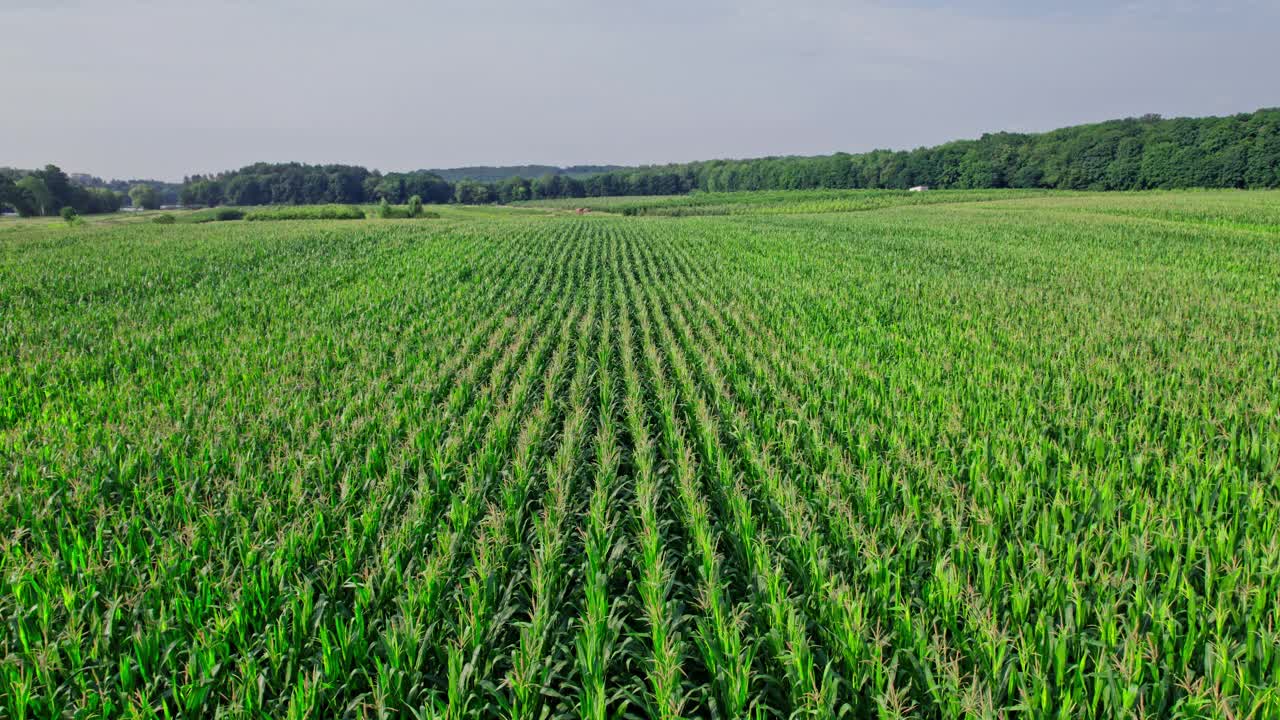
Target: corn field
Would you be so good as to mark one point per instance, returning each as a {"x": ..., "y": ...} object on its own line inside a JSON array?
[{"x": 1010, "y": 458}]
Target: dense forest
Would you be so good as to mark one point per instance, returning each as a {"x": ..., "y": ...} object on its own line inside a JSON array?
[{"x": 1239, "y": 151}]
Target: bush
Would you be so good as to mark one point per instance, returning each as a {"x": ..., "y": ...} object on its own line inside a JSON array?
[
  {"x": 387, "y": 211},
  {"x": 308, "y": 212},
  {"x": 70, "y": 215},
  {"x": 220, "y": 214},
  {"x": 415, "y": 206},
  {"x": 165, "y": 219}
]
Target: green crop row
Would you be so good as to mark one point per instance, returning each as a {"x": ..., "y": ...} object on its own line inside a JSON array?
[
  {"x": 782, "y": 202},
  {"x": 1009, "y": 458}
]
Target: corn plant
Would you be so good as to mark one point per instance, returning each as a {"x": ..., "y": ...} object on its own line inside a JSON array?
[{"x": 973, "y": 454}]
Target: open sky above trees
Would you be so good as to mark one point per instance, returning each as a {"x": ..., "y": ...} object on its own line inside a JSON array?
[{"x": 143, "y": 89}]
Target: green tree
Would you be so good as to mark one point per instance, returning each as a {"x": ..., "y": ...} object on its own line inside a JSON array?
[
  {"x": 513, "y": 189},
  {"x": 415, "y": 206},
  {"x": 61, "y": 191},
  {"x": 470, "y": 192},
  {"x": 202, "y": 192},
  {"x": 39, "y": 200},
  {"x": 8, "y": 192},
  {"x": 244, "y": 190},
  {"x": 102, "y": 200},
  {"x": 145, "y": 197}
]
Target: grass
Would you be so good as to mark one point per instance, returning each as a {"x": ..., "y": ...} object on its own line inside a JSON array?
[{"x": 1009, "y": 456}]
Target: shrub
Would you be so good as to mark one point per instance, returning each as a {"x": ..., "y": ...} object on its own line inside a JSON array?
[
  {"x": 165, "y": 219},
  {"x": 415, "y": 206},
  {"x": 307, "y": 212},
  {"x": 387, "y": 211},
  {"x": 220, "y": 214},
  {"x": 70, "y": 215}
]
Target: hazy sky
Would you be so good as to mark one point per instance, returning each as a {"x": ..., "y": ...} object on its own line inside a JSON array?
[{"x": 145, "y": 88}]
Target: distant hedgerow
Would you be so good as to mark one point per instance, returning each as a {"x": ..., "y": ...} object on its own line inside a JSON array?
[{"x": 307, "y": 212}]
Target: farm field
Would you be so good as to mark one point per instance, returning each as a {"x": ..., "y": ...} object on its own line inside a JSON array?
[
  {"x": 943, "y": 456},
  {"x": 781, "y": 202}
]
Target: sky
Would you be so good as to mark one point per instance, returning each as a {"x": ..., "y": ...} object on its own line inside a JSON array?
[{"x": 166, "y": 88}]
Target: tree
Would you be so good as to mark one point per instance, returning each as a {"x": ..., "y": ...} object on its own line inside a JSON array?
[
  {"x": 39, "y": 200},
  {"x": 59, "y": 188},
  {"x": 415, "y": 206},
  {"x": 384, "y": 209},
  {"x": 70, "y": 215},
  {"x": 243, "y": 190},
  {"x": 102, "y": 200},
  {"x": 470, "y": 192},
  {"x": 512, "y": 189},
  {"x": 8, "y": 192},
  {"x": 145, "y": 197},
  {"x": 202, "y": 192}
]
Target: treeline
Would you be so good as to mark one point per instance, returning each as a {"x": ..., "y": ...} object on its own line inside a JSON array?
[
  {"x": 492, "y": 174},
  {"x": 1240, "y": 151},
  {"x": 48, "y": 191},
  {"x": 299, "y": 184},
  {"x": 165, "y": 192}
]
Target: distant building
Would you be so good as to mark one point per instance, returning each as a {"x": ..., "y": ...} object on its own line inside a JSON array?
[{"x": 920, "y": 188}]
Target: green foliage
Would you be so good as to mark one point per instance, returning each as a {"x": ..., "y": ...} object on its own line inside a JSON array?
[
  {"x": 8, "y": 191},
  {"x": 782, "y": 202},
  {"x": 222, "y": 214},
  {"x": 498, "y": 175},
  {"x": 35, "y": 197},
  {"x": 200, "y": 192},
  {"x": 469, "y": 192},
  {"x": 164, "y": 219},
  {"x": 414, "y": 206},
  {"x": 1134, "y": 154},
  {"x": 297, "y": 184},
  {"x": 387, "y": 211},
  {"x": 1240, "y": 151},
  {"x": 396, "y": 188},
  {"x": 70, "y": 215},
  {"x": 46, "y": 192},
  {"x": 310, "y": 212},
  {"x": 100, "y": 200},
  {"x": 144, "y": 196},
  {"x": 1015, "y": 457}
]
